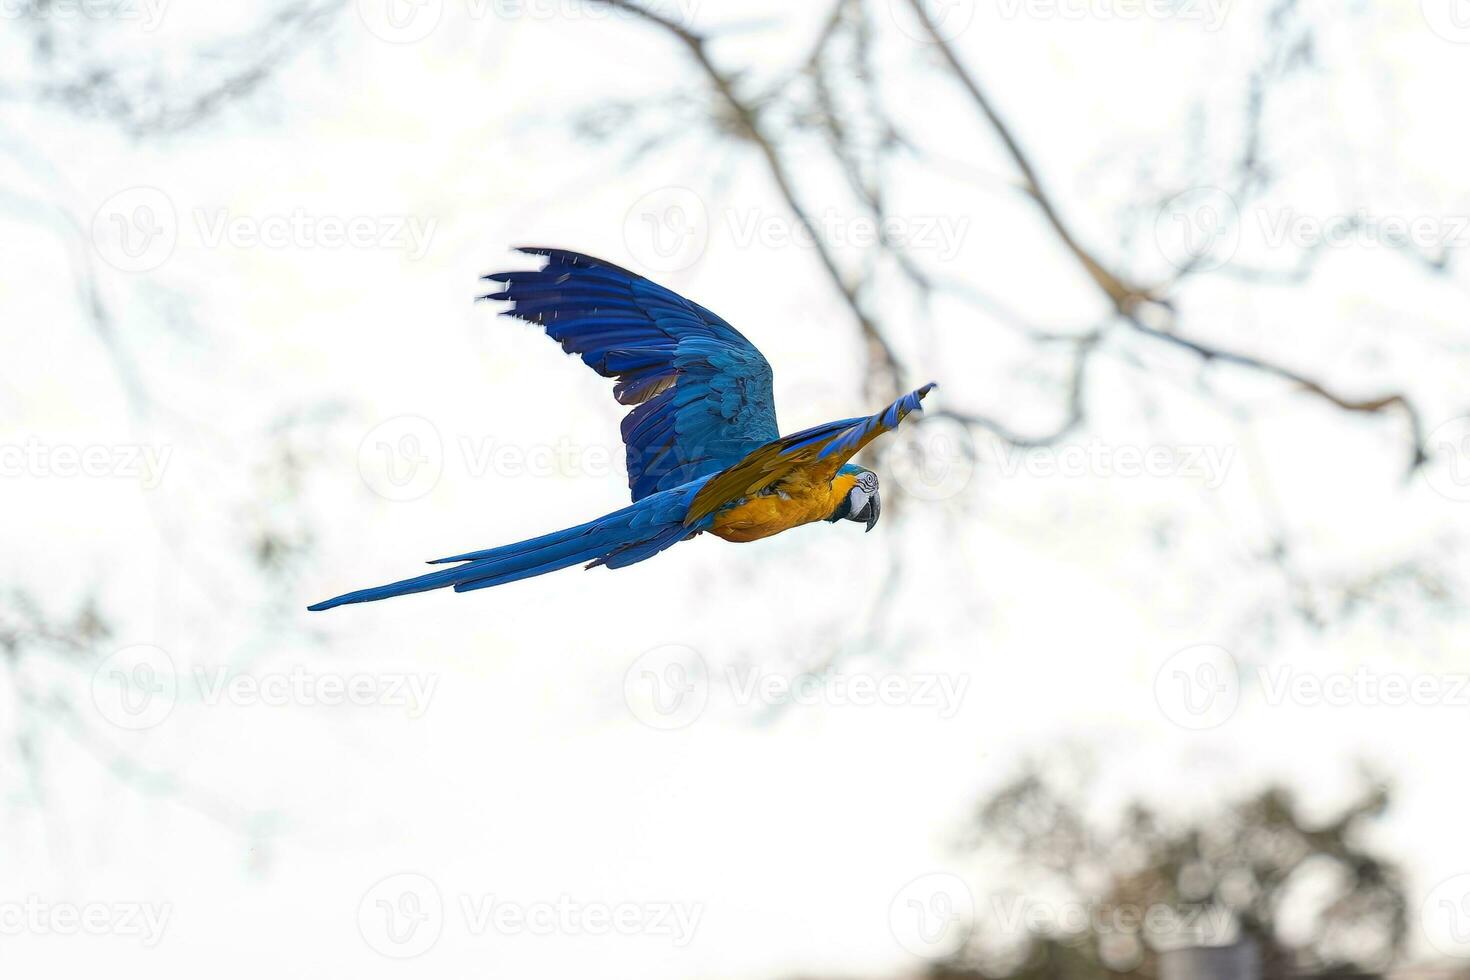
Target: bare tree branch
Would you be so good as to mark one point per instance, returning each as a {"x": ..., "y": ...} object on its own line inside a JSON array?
[
  {"x": 886, "y": 374},
  {"x": 1128, "y": 299}
]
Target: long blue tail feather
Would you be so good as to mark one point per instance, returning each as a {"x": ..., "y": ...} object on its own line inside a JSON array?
[{"x": 621, "y": 538}]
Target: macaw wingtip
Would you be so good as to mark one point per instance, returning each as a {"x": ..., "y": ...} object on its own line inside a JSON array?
[{"x": 542, "y": 250}]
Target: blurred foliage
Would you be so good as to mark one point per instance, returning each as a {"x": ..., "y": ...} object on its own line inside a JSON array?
[{"x": 1311, "y": 893}]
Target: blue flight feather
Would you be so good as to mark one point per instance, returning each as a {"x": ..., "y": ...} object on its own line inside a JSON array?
[{"x": 701, "y": 392}]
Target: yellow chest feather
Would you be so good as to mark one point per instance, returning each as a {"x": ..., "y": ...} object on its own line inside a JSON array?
[{"x": 795, "y": 504}]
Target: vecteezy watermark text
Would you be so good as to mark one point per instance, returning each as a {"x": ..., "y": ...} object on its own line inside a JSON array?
[
  {"x": 1203, "y": 228},
  {"x": 941, "y": 234},
  {"x": 1363, "y": 229},
  {"x": 147, "y": 14},
  {"x": 1201, "y": 687},
  {"x": 1209, "y": 13},
  {"x": 300, "y": 229},
  {"x": 670, "y": 686},
  {"x": 567, "y": 916},
  {"x": 403, "y": 915},
  {"x": 940, "y": 692},
  {"x": 34, "y": 458},
  {"x": 668, "y": 229},
  {"x": 402, "y": 458},
  {"x": 298, "y": 686},
  {"x": 137, "y": 688},
  {"x": 1284, "y": 684},
  {"x": 35, "y": 916},
  {"x": 411, "y": 21},
  {"x": 1208, "y": 464},
  {"x": 138, "y": 229},
  {"x": 1162, "y": 923}
]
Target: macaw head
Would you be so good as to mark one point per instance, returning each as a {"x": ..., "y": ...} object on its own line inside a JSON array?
[{"x": 859, "y": 488}]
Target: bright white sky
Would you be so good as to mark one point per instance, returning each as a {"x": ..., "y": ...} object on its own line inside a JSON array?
[{"x": 1043, "y": 598}]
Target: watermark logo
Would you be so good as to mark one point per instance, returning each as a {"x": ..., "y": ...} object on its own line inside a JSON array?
[
  {"x": 400, "y": 21},
  {"x": 147, "y": 14},
  {"x": 136, "y": 230},
  {"x": 404, "y": 458},
  {"x": 667, "y": 687},
  {"x": 1446, "y": 917},
  {"x": 1447, "y": 470},
  {"x": 401, "y": 916},
  {"x": 299, "y": 228},
  {"x": 567, "y": 916},
  {"x": 1210, "y": 465},
  {"x": 409, "y": 692},
  {"x": 410, "y": 21},
  {"x": 1210, "y": 14},
  {"x": 942, "y": 693},
  {"x": 404, "y": 915},
  {"x": 1450, "y": 19},
  {"x": 401, "y": 459},
  {"x": 565, "y": 459},
  {"x": 35, "y": 916},
  {"x": 931, "y": 461},
  {"x": 1202, "y": 229},
  {"x": 1364, "y": 687},
  {"x": 667, "y": 230},
  {"x": 939, "y": 234},
  {"x": 1164, "y": 925},
  {"x": 1289, "y": 228},
  {"x": 671, "y": 687},
  {"x": 1198, "y": 687},
  {"x": 128, "y": 461},
  {"x": 950, "y": 18},
  {"x": 933, "y": 915},
  {"x": 136, "y": 687},
  {"x": 1198, "y": 230}
]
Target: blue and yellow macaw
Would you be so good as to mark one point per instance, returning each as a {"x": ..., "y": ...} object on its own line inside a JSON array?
[{"x": 703, "y": 450}]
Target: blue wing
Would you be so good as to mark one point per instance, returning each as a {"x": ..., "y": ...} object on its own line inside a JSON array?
[{"x": 701, "y": 392}]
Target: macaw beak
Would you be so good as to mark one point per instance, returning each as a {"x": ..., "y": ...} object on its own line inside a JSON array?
[{"x": 869, "y": 514}]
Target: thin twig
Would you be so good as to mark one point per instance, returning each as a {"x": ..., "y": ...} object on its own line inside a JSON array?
[
  {"x": 1128, "y": 299},
  {"x": 882, "y": 361}
]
